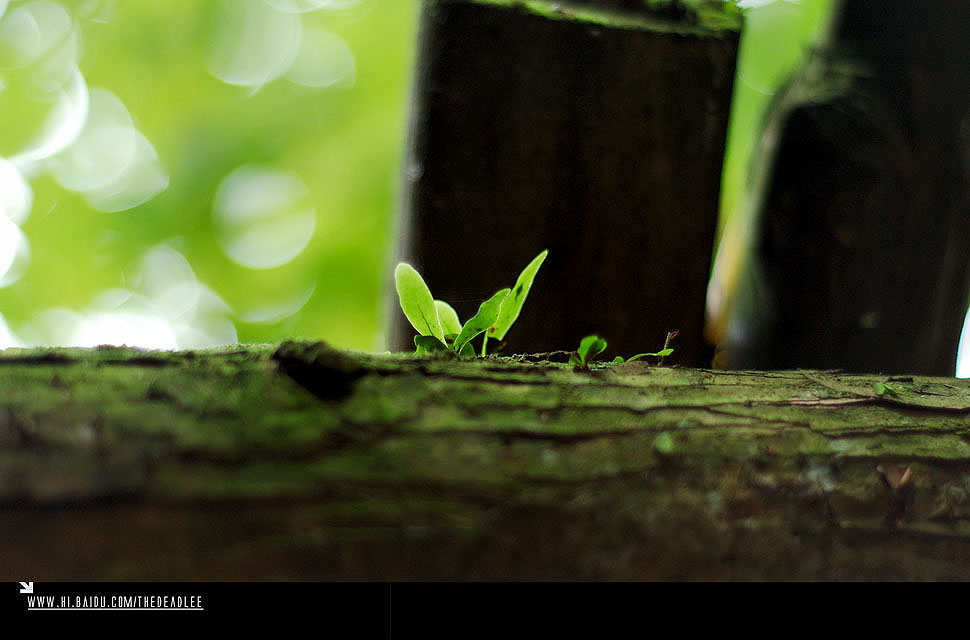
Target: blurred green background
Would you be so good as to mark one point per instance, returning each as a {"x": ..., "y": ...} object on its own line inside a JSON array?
[{"x": 188, "y": 173}]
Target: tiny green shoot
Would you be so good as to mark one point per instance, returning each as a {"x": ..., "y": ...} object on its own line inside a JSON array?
[
  {"x": 437, "y": 323},
  {"x": 883, "y": 388},
  {"x": 663, "y": 353},
  {"x": 589, "y": 348}
]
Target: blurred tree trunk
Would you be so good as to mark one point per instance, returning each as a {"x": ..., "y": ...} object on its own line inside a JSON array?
[
  {"x": 596, "y": 134},
  {"x": 862, "y": 255},
  {"x": 310, "y": 463}
]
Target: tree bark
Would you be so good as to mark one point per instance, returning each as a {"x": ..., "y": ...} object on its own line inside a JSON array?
[
  {"x": 308, "y": 463},
  {"x": 861, "y": 258},
  {"x": 596, "y": 135}
]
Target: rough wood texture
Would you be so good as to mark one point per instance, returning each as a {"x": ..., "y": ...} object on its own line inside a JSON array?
[
  {"x": 305, "y": 462},
  {"x": 597, "y": 136},
  {"x": 861, "y": 254}
]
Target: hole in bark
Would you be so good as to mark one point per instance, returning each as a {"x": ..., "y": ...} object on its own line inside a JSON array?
[{"x": 327, "y": 374}]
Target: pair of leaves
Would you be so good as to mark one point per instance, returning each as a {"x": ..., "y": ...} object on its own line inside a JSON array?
[{"x": 437, "y": 322}]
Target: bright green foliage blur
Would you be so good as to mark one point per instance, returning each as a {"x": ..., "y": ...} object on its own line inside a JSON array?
[
  {"x": 777, "y": 36},
  {"x": 345, "y": 143},
  {"x": 336, "y": 152}
]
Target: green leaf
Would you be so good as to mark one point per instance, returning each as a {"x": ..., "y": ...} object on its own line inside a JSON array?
[
  {"x": 618, "y": 360},
  {"x": 590, "y": 347},
  {"x": 468, "y": 351},
  {"x": 448, "y": 317},
  {"x": 512, "y": 305},
  {"x": 430, "y": 344},
  {"x": 416, "y": 301},
  {"x": 663, "y": 353},
  {"x": 575, "y": 361},
  {"x": 883, "y": 388},
  {"x": 482, "y": 320}
]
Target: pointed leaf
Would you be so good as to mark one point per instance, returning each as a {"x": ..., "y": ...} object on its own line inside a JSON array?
[
  {"x": 512, "y": 306},
  {"x": 482, "y": 320},
  {"x": 663, "y": 353},
  {"x": 416, "y": 301},
  {"x": 448, "y": 318},
  {"x": 430, "y": 344},
  {"x": 468, "y": 351}
]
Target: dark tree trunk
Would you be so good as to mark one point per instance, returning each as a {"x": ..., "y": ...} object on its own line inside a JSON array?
[
  {"x": 599, "y": 137},
  {"x": 862, "y": 256},
  {"x": 308, "y": 463}
]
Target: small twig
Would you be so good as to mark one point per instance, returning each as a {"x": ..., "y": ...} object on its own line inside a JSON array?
[{"x": 670, "y": 337}]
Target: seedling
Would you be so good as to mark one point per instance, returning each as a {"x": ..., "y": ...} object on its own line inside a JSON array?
[
  {"x": 437, "y": 322},
  {"x": 589, "y": 348},
  {"x": 884, "y": 388},
  {"x": 592, "y": 346},
  {"x": 663, "y": 353}
]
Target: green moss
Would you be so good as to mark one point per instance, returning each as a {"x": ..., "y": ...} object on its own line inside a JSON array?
[{"x": 175, "y": 464}]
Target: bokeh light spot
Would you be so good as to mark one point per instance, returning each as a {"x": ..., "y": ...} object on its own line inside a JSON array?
[
  {"x": 166, "y": 308},
  {"x": 298, "y": 6},
  {"x": 274, "y": 312},
  {"x": 344, "y": 5},
  {"x": 32, "y": 30},
  {"x": 61, "y": 126},
  {"x": 324, "y": 60},
  {"x": 138, "y": 182},
  {"x": 102, "y": 151},
  {"x": 14, "y": 252},
  {"x": 254, "y": 43},
  {"x": 263, "y": 216},
  {"x": 20, "y": 39},
  {"x": 7, "y": 337},
  {"x": 16, "y": 196}
]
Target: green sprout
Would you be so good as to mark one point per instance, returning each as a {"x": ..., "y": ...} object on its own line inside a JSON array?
[
  {"x": 437, "y": 323},
  {"x": 592, "y": 346},
  {"x": 589, "y": 348},
  {"x": 663, "y": 353},
  {"x": 884, "y": 388}
]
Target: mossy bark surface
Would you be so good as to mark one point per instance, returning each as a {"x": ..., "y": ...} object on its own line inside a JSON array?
[{"x": 303, "y": 462}]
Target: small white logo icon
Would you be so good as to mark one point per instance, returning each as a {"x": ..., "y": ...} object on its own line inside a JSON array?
[{"x": 26, "y": 587}]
